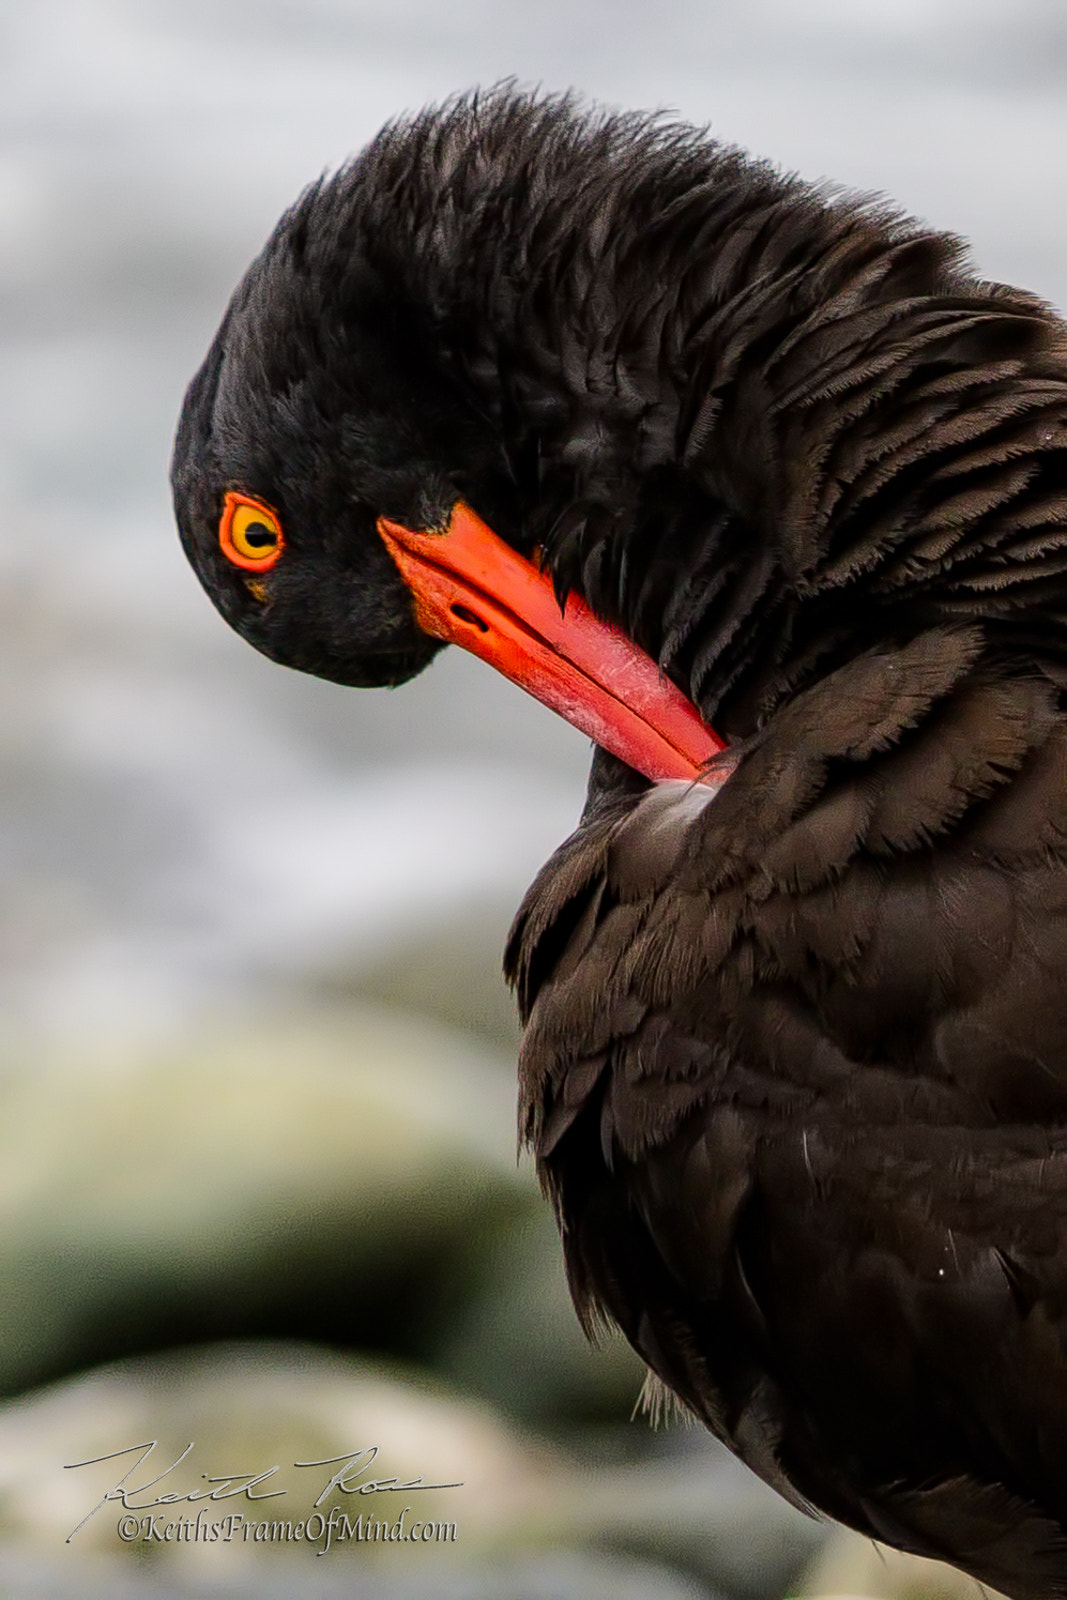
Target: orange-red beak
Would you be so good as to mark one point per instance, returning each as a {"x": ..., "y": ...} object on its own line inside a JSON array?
[{"x": 472, "y": 589}]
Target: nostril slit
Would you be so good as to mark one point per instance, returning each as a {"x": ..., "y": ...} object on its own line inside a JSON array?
[{"x": 466, "y": 615}]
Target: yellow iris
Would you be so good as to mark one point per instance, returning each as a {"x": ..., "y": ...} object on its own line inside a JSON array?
[{"x": 250, "y": 533}]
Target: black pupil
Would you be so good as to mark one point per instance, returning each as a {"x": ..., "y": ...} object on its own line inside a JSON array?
[{"x": 258, "y": 535}]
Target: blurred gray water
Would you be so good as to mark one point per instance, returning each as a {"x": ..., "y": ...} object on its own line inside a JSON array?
[{"x": 182, "y": 821}]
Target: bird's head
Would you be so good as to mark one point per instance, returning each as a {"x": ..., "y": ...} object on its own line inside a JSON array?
[
  {"x": 316, "y": 412},
  {"x": 324, "y": 472}
]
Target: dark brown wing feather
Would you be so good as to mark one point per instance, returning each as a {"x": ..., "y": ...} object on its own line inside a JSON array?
[{"x": 795, "y": 1072}]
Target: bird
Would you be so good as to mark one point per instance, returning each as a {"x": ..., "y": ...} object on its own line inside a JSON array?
[{"x": 759, "y": 484}]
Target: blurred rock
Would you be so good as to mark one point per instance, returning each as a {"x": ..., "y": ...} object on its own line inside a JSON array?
[
  {"x": 456, "y": 978},
  {"x": 854, "y": 1568},
  {"x": 517, "y": 1341},
  {"x": 345, "y": 1175},
  {"x": 249, "y": 1408},
  {"x": 564, "y": 1577},
  {"x": 699, "y": 1508},
  {"x": 531, "y": 1522},
  {"x": 319, "y": 1176}
]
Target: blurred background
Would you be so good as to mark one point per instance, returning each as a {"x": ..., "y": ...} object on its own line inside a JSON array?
[{"x": 258, "y": 1186}]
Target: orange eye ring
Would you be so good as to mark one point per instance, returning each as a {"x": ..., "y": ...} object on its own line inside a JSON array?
[{"x": 250, "y": 533}]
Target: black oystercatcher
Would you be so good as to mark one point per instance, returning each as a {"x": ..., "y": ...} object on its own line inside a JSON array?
[{"x": 795, "y": 1061}]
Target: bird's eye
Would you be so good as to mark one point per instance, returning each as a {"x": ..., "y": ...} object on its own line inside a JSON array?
[{"x": 250, "y": 533}]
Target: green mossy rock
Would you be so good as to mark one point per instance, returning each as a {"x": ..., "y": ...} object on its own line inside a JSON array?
[{"x": 315, "y": 1175}]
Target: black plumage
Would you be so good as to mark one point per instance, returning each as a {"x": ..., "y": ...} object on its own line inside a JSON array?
[{"x": 795, "y": 1059}]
